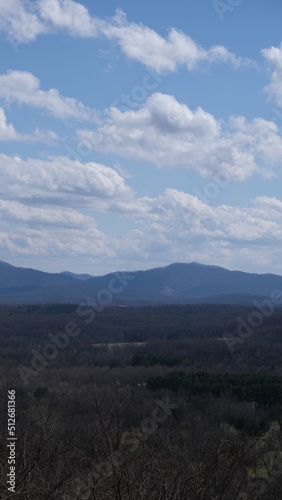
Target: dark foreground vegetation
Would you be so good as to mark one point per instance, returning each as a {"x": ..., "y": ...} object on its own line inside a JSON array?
[{"x": 142, "y": 403}]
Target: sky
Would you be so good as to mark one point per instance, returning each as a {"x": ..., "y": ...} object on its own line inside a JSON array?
[{"x": 138, "y": 134}]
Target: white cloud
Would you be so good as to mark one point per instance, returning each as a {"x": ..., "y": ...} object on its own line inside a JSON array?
[
  {"x": 161, "y": 54},
  {"x": 166, "y": 133},
  {"x": 60, "y": 180},
  {"x": 24, "y": 21},
  {"x": 274, "y": 89},
  {"x": 24, "y": 88},
  {"x": 8, "y": 133},
  {"x": 70, "y": 16},
  {"x": 47, "y": 207},
  {"x": 18, "y": 18}
]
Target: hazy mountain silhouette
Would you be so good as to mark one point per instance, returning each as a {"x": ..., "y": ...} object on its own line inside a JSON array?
[{"x": 176, "y": 283}]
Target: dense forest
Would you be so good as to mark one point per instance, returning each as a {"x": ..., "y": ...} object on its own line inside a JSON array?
[{"x": 164, "y": 403}]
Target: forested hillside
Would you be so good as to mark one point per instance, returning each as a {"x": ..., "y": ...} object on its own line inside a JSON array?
[{"x": 150, "y": 402}]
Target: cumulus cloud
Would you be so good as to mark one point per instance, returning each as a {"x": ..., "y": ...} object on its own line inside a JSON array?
[
  {"x": 25, "y": 20},
  {"x": 60, "y": 179},
  {"x": 143, "y": 44},
  {"x": 23, "y": 87},
  {"x": 166, "y": 133},
  {"x": 274, "y": 58}
]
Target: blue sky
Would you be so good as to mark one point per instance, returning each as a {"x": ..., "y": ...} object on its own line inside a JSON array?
[{"x": 137, "y": 134}]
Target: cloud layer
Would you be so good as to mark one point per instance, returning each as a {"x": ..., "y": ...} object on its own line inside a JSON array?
[
  {"x": 174, "y": 226},
  {"x": 24, "y": 21},
  {"x": 42, "y": 197}
]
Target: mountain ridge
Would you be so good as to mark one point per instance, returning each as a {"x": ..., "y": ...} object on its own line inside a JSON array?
[{"x": 174, "y": 283}]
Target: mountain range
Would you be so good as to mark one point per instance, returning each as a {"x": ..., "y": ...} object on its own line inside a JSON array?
[{"x": 175, "y": 283}]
